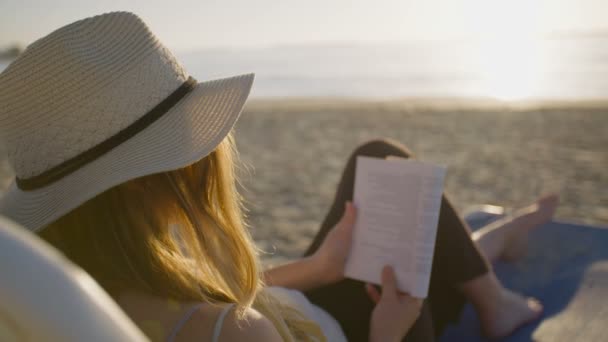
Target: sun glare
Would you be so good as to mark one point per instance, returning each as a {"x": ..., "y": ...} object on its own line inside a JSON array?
[
  {"x": 509, "y": 67},
  {"x": 509, "y": 53}
]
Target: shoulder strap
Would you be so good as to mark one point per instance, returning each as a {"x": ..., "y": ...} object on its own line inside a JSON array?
[
  {"x": 220, "y": 322},
  {"x": 183, "y": 321},
  {"x": 216, "y": 329}
]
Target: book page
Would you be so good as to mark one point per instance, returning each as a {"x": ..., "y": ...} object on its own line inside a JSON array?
[{"x": 398, "y": 204}]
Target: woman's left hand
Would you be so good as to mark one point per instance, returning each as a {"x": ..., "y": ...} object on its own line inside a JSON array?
[{"x": 330, "y": 258}]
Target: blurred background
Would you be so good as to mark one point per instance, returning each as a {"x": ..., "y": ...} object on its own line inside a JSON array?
[
  {"x": 388, "y": 48},
  {"x": 510, "y": 95}
]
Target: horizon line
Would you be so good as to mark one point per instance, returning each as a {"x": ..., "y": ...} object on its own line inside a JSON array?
[{"x": 556, "y": 34}]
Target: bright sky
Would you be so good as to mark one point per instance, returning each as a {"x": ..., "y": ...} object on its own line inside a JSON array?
[{"x": 191, "y": 24}]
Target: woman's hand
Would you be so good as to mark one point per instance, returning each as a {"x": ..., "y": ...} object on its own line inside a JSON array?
[
  {"x": 330, "y": 258},
  {"x": 395, "y": 313},
  {"x": 323, "y": 267}
]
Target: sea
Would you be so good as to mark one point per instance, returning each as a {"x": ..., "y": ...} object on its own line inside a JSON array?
[{"x": 566, "y": 67}]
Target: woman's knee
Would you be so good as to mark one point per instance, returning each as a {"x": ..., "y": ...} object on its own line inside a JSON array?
[{"x": 382, "y": 148}]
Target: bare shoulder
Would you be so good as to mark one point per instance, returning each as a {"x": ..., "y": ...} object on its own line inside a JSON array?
[{"x": 254, "y": 327}]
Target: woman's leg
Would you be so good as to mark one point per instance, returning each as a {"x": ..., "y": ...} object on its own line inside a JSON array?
[
  {"x": 456, "y": 260},
  {"x": 458, "y": 268},
  {"x": 500, "y": 310},
  {"x": 507, "y": 237}
]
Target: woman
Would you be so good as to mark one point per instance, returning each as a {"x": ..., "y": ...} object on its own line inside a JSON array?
[{"x": 125, "y": 164}]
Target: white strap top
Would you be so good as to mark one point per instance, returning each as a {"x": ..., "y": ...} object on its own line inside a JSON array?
[
  {"x": 330, "y": 327},
  {"x": 216, "y": 329}
]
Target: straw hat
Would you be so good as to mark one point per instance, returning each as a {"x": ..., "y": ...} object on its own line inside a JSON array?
[{"x": 97, "y": 103}]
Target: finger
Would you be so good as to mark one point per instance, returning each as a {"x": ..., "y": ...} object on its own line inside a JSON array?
[
  {"x": 411, "y": 301},
  {"x": 389, "y": 284},
  {"x": 372, "y": 292}
]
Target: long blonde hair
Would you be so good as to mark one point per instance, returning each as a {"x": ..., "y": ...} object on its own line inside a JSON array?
[{"x": 179, "y": 235}]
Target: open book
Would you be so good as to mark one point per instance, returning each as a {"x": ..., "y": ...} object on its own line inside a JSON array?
[{"x": 398, "y": 203}]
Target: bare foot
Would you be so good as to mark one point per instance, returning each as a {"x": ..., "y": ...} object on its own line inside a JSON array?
[
  {"x": 535, "y": 215},
  {"x": 510, "y": 312},
  {"x": 507, "y": 238}
]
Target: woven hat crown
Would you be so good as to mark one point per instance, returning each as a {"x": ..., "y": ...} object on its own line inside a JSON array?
[{"x": 80, "y": 85}]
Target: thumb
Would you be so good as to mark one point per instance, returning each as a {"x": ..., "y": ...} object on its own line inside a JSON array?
[
  {"x": 373, "y": 294},
  {"x": 348, "y": 218},
  {"x": 389, "y": 283}
]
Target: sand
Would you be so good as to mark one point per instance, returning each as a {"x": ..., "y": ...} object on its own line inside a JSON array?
[
  {"x": 504, "y": 155},
  {"x": 294, "y": 152}
]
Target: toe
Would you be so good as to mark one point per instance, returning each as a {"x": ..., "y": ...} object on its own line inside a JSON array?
[{"x": 535, "y": 306}]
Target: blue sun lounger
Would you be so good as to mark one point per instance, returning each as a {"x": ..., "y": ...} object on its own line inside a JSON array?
[{"x": 566, "y": 268}]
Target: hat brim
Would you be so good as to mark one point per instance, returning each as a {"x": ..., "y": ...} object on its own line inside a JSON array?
[{"x": 191, "y": 130}]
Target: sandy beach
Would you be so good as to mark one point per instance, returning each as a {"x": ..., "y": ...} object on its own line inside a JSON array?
[{"x": 294, "y": 151}]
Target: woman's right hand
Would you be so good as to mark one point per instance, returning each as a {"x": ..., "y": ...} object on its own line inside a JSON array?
[{"x": 395, "y": 313}]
